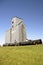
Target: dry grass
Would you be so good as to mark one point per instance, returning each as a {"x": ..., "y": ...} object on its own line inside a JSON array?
[{"x": 21, "y": 55}]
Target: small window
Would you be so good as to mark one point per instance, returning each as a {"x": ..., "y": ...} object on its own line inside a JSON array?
[{"x": 12, "y": 21}]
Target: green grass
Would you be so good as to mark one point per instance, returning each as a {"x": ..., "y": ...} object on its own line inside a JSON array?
[{"x": 21, "y": 55}]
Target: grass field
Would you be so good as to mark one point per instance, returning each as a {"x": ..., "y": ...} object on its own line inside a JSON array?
[{"x": 21, "y": 55}]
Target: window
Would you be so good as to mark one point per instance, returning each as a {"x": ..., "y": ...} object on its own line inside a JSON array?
[{"x": 12, "y": 22}]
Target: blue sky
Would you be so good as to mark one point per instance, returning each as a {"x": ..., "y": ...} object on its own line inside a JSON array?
[{"x": 30, "y": 10}]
